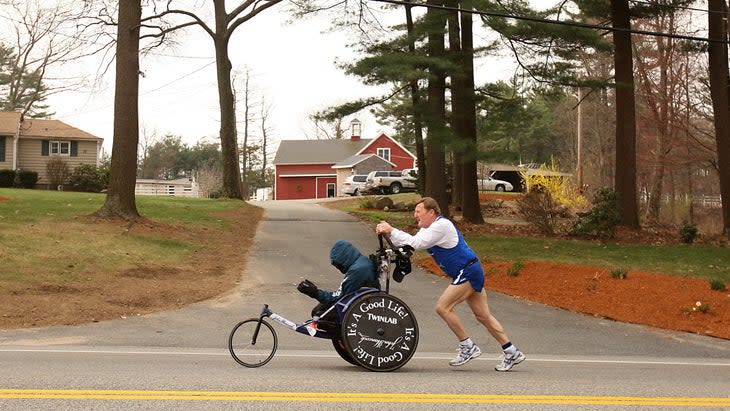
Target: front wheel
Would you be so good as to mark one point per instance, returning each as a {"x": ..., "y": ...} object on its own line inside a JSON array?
[
  {"x": 395, "y": 188},
  {"x": 252, "y": 342}
]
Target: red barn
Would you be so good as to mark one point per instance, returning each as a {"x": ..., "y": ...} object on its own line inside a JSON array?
[{"x": 317, "y": 168}]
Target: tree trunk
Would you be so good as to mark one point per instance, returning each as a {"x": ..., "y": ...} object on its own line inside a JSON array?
[
  {"x": 229, "y": 139},
  {"x": 120, "y": 199},
  {"x": 471, "y": 208},
  {"x": 718, "y": 67},
  {"x": 417, "y": 110},
  {"x": 435, "y": 118},
  {"x": 244, "y": 146},
  {"x": 465, "y": 189},
  {"x": 458, "y": 103},
  {"x": 625, "y": 171}
]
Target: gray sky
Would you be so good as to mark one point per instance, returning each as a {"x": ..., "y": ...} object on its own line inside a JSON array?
[
  {"x": 292, "y": 65},
  {"x": 293, "y": 68}
]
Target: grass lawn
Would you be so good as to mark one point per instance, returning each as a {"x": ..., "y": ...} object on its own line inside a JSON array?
[{"x": 49, "y": 236}]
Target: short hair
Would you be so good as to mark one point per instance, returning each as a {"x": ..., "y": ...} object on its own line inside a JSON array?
[{"x": 430, "y": 204}]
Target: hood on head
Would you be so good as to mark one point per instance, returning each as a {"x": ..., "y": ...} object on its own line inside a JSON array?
[{"x": 343, "y": 255}]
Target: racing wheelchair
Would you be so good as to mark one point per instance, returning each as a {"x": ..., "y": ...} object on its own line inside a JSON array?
[{"x": 369, "y": 328}]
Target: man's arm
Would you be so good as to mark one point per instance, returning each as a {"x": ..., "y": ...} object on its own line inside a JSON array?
[{"x": 440, "y": 233}]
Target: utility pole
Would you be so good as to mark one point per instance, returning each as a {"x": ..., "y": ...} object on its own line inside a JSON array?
[{"x": 579, "y": 132}]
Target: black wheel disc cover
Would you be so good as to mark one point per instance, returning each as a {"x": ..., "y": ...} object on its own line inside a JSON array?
[{"x": 380, "y": 332}]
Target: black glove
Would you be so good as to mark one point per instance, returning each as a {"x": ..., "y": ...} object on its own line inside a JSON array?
[
  {"x": 402, "y": 267},
  {"x": 402, "y": 263},
  {"x": 307, "y": 287}
]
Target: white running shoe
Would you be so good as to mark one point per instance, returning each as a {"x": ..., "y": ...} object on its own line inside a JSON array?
[
  {"x": 510, "y": 361},
  {"x": 465, "y": 354}
]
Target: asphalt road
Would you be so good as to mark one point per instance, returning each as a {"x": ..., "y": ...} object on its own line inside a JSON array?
[{"x": 179, "y": 359}]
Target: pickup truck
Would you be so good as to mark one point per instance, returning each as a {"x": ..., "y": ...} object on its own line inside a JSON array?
[{"x": 390, "y": 182}]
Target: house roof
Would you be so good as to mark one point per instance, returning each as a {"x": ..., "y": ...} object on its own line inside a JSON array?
[
  {"x": 352, "y": 161},
  {"x": 317, "y": 151},
  {"x": 36, "y": 128},
  {"x": 9, "y": 122}
]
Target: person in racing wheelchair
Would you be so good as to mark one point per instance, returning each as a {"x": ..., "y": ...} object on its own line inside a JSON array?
[{"x": 359, "y": 272}]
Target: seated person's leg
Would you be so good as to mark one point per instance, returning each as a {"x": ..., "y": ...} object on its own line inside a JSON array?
[{"x": 319, "y": 309}]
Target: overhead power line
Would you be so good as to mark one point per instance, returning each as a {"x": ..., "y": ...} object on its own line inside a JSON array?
[{"x": 556, "y": 22}]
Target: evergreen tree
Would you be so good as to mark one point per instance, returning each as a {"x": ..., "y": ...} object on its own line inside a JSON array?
[{"x": 21, "y": 89}]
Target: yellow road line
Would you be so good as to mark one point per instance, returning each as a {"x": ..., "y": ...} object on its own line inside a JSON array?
[{"x": 360, "y": 397}]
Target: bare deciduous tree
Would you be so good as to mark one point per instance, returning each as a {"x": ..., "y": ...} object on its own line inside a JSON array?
[
  {"x": 220, "y": 31},
  {"x": 322, "y": 129},
  {"x": 45, "y": 35},
  {"x": 209, "y": 178},
  {"x": 246, "y": 99}
]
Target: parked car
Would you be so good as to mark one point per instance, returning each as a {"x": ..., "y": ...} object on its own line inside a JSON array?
[
  {"x": 353, "y": 184},
  {"x": 390, "y": 182},
  {"x": 492, "y": 184}
]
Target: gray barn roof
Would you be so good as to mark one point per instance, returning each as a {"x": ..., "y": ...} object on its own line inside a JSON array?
[
  {"x": 352, "y": 161},
  {"x": 317, "y": 151}
]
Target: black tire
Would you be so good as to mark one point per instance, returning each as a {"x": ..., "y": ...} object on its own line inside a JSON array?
[
  {"x": 252, "y": 354},
  {"x": 395, "y": 188},
  {"x": 499, "y": 188},
  {"x": 342, "y": 350},
  {"x": 380, "y": 332}
]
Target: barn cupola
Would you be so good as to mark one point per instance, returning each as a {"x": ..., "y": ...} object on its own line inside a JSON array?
[{"x": 355, "y": 130}]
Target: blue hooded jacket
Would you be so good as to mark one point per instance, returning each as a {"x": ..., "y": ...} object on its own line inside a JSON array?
[{"x": 359, "y": 271}]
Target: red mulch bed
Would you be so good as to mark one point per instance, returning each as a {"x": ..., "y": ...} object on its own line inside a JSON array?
[{"x": 657, "y": 300}]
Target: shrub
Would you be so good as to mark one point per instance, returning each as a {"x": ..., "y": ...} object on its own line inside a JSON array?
[
  {"x": 27, "y": 179},
  {"x": 717, "y": 284},
  {"x": 687, "y": 232},
  {"x": 514, "y": 271},
  {"x": 57, "y": 171},
  {"x": 88, "y": 177},
  {"x": 699, "y": 306},
  {"x": 7, "y": 178},
  {"x": 603, "y": 217},
  {"x": 215, "y": 194},
  {"x": 539, "y": 208},
  {"x": 619, "y": 273},
  {"x": 552, "y": 181}
]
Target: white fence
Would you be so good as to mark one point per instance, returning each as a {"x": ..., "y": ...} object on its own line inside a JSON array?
[
  {"x": 708, "y": 201},
  {"x": 177, "y": 188}
]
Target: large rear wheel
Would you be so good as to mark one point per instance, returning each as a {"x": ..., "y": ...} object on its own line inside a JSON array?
[
  {"x": 342, "y": 350},
  {"x": 380, "y": 332}
]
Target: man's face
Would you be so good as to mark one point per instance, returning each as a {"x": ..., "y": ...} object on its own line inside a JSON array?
[{"x": 424, "y": 217}]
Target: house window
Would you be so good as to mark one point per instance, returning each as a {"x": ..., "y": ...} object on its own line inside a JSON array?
[
  {"x": 60, "y": 148},
  {"x": 384, "y": 153}
]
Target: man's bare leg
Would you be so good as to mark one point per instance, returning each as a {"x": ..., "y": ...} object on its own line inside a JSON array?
[
  {"x": 451, "y": 297},
  {"x": 480, "y": 307}
]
